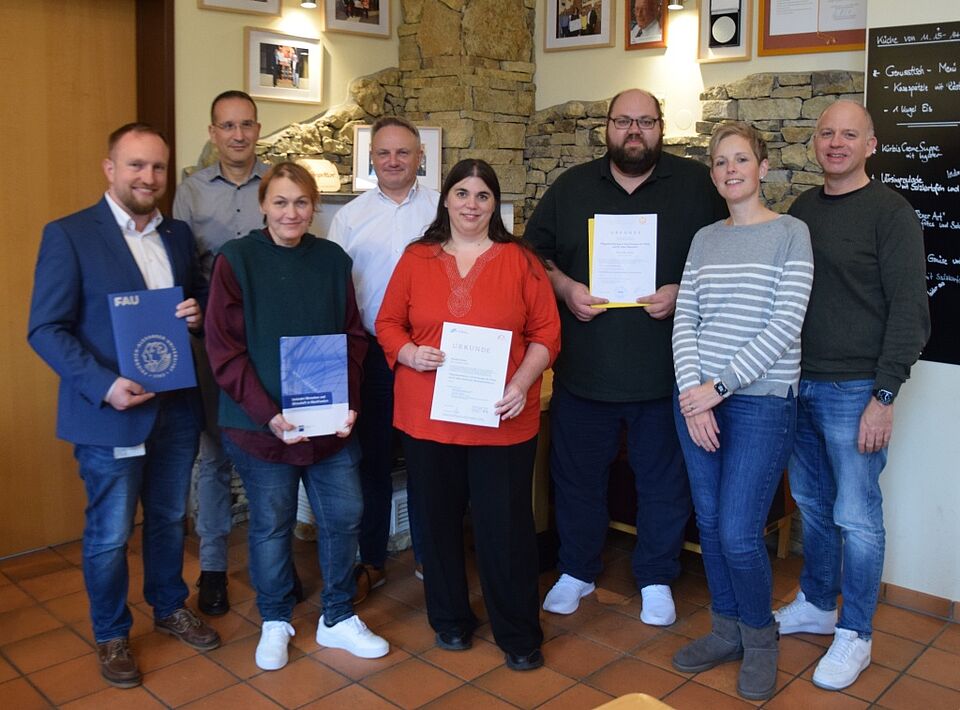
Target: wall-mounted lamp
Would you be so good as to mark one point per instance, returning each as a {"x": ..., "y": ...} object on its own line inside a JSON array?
[
  {"x": 675, "y": 5},
  {"x": 309, "y": 4}
]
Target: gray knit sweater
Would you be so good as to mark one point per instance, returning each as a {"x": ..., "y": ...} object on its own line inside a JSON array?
[
  {"x": 868, "y": 315},
  {"x": 741, "y": 305}
]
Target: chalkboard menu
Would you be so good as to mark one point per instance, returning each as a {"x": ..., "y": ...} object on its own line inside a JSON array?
[{"x": 913, "y": 93}]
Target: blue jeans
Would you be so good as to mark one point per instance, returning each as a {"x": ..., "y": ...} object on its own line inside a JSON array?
[
  {"x": 333, "y": 486},
  {"x": 214, "y": 503},
  {"x": 377, "y": 439},
  {"x": 584, "y": 441},
  {"x": 161, "y": 481},
  {"x": 838, "y": 492},
  {"x": 732, "y": 490}
]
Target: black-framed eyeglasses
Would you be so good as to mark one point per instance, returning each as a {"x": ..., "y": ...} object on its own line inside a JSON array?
[
  {"x": 624, "y": 122},
  {"x": 230, "y": 126}
]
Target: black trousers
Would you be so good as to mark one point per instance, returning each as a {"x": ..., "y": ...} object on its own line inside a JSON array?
[
  {"x": 376, "y": 433},
  {"x": 496, "y": 482}
]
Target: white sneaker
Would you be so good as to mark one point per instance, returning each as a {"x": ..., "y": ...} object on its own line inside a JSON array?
[
  {"x": 846, "y": 659},
  {"x": 800, "y": 616},
  {"x": 566, "y": 594},
  {"x": 272, "y": 650},
  {"x": 353, "y": 636},
  {"x": 658, "y": 607}
]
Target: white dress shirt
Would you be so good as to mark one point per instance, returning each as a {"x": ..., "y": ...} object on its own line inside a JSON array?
[
  {"x": 146, "y": 246},
  {"x": 651, "y": 33},
  {"x": 374, "y": 230}
]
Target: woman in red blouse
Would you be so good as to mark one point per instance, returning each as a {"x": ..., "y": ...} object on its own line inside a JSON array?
[{"x": 468, "y": 269}]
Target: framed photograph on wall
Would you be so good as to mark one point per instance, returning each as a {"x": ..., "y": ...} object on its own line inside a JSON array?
[
  {"x": 645, "y": 24},
  {"x": 364, "y": 177},
  {"x": 358, "y": 17},
  {"x": 253, "y": 7},
  {"x": 577, "y": 24},
  {"x": 802, "y": 26},
  {"x": 281, "y": 67},
  {"x": 724, "y": 31}
]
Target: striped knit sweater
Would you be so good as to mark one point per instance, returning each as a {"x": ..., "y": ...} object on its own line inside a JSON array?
[{"x": 741, "y": 306}]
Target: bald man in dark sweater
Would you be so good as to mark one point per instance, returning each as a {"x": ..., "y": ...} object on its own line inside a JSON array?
[{"x": 866, "y": 323}]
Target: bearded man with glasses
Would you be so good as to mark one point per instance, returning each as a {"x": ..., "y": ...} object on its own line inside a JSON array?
[{"x": 615, "y": 369}]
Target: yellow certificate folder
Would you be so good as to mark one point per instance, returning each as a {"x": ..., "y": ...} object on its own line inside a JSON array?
[{"x": 628, "y": 304}]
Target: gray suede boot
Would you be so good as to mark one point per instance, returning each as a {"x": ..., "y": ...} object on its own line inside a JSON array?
[
  {"x": 758, "y": 672},
  {"x": 720, "y": 646}
]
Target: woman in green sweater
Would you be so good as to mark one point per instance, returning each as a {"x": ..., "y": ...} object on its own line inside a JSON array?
[{"x": 281, "y": 281}]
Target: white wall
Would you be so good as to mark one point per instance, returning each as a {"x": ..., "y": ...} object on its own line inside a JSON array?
[
  {"x": 209, "y": 59},
  {"x": 921, "y": 484},
  {"x": 673, "y": 74}
]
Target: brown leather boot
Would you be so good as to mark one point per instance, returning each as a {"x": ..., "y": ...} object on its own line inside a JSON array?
[
  {"x": 117, "y": 665},
  {"x": 184, "y": 624}
]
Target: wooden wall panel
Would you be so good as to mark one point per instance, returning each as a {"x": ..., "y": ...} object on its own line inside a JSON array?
[{"x": 69, "y": 72}]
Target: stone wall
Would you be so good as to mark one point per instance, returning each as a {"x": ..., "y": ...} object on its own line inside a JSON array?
[
  {"x": 330, "y": 135},
  {"x": 464, "y": 65},
  {"x": 783, "y": 107},
  {"x": 560, "y": 137}
]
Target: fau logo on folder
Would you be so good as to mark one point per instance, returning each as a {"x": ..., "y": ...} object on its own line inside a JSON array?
[
  {"x": 153, "y": 345},
  {"x": 313, "y": 384}
]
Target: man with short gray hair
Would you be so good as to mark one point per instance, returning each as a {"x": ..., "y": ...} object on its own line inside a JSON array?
[{"x": 375, "y": 229}]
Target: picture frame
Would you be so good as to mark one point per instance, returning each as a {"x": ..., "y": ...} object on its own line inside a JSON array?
[
  {"x": 370, "y": 18},
  {"x": 364, "y": 178},
  {"x": 804, "y": 26},
  {"x": 281, "y": 67},
  {"x": 271, "y": 8},
  {"x": 594, "y": 27},
  {"x": 725, "y": 31},
  {"x": 645, "y": 24}
]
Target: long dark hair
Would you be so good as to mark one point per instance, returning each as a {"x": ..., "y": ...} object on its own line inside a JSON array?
[{"x": 438, "y": 232}]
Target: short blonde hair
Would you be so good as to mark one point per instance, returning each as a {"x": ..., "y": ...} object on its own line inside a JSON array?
[{"x": 745, "y": 131}]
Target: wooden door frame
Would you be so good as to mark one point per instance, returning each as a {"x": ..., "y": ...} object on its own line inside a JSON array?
[{"x": 156, "y": 81}]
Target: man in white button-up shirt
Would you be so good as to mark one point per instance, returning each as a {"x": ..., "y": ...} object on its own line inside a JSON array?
[
  {"x": 131, "y": 445},
  {"x": 374, "y": 229}
]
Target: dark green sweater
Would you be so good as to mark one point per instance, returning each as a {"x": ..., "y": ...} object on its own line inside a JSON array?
[
  {"x": 868, "y": 316},
  {"x": 286, "y": 292}
]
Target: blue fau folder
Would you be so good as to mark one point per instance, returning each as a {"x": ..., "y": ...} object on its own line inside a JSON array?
[
  {"x": 153, "y": 345},
  {"x": 313, "y": 384}
]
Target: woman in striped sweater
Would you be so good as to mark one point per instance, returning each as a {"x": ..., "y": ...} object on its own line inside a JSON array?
[{"x": 736, "y": 349}]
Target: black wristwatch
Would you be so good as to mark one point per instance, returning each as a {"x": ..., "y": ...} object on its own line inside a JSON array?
[
  {"x": 884, "y": 397},
  {"x": 721, "y": 389}
]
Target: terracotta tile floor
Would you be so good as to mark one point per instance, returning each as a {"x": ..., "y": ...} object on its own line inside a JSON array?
[{"x": 47, "y": 657}]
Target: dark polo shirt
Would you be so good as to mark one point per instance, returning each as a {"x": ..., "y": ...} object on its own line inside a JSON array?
[{"x": 622, "y": 355}]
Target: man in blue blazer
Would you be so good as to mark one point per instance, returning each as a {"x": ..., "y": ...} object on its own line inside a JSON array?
[{"x": 130, "y": 444}]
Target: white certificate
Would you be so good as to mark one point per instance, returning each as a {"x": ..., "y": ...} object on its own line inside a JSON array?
[
  {"x": 473, "y": 374},
  {"x": 623, "y": 257},
  {"x": 788, "y": 17},
  {"x": 793, "y": 16}
]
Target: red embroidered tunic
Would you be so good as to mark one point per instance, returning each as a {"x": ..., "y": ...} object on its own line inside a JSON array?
[{"x": 506, "y": 288}]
